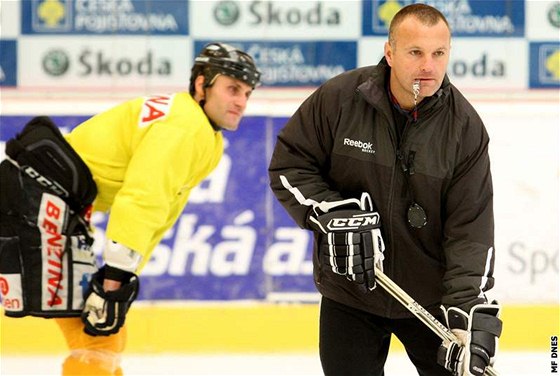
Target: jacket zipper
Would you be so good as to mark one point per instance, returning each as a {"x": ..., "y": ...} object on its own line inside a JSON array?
[{"x": 399, "y": 156}]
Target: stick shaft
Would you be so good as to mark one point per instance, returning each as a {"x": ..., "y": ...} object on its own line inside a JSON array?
[{"x": 420, "y": 312}]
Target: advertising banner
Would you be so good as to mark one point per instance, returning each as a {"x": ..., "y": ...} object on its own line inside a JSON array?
[
  {"x": 104, "y": 62},
  {"x": 543, "y": 20},
  {"x": 525, "y": 198},
  {"x": 149, "y": 44},
  {"x": 122, "y": 17},
  {"x": 544, "y": 65},
  {"x": 488, "y": 65},
  {"x": 297, "y": 63},
  {"x": 467, "y": 18},
  {"x": 8, "y": 63},
  {"x": 276, "y": 20}
]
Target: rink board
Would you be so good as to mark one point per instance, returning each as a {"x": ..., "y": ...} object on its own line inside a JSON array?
[{"x": 247, "y": 327}]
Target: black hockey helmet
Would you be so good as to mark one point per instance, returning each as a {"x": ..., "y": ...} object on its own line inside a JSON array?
[{"x": 221, "y": 58}]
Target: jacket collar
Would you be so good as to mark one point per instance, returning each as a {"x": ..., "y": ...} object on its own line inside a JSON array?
[{"x": 374, "y": 90}]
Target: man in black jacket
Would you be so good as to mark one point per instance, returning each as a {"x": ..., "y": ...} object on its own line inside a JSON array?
[{"x": 389, "y": 166}]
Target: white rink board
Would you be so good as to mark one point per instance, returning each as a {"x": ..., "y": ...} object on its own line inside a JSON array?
[{"x": 524, "y": 148}]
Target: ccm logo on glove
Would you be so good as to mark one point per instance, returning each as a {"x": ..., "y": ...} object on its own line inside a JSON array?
[
  {"x": 350, "y": 243},
  {"x": 354, "y": 222}
]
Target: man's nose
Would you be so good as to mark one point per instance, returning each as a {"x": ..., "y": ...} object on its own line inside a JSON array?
[
  {"x": 241, "y": 101},
  {"x": 427, "y": 64}
]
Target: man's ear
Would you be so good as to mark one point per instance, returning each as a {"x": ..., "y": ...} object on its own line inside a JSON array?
[
  {"x": 388, "y": 52},
  {"x": 199, "y": 87}
]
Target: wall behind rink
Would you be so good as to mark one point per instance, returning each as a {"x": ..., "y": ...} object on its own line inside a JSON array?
[{"x": 146, "y": 44}]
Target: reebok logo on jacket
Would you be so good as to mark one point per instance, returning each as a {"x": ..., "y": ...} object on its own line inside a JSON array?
[{"x": 367, "y": 147}]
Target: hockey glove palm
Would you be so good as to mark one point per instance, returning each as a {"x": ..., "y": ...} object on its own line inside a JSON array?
[
  {"x": 104, "y": 311},
  {"x": 351, "y": 242},
  {"x": 478, "y": 335}
]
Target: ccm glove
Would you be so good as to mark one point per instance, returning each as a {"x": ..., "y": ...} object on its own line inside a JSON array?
[
  {"x": 351, "y": 242},
  {"x": 477, "y": 335},
  {"x": 104, "y": 311}
]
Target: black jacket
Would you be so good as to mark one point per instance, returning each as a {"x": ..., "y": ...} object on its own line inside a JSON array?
[{"x": 342, "y": 141}]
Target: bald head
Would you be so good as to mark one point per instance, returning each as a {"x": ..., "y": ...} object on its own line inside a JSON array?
[{"x": 425, "y": 14}]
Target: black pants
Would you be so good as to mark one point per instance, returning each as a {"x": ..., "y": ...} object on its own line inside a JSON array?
[{"x": 354, "y": 342}]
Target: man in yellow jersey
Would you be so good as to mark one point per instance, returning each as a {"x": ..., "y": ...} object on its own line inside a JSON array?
[{"x": 145, "y": 156}]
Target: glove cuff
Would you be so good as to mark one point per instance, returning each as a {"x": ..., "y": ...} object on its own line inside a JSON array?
[
  {"x": 126, "y": 293},
  {"x": 325, "y": 207},
  {"x": 120, "y": 256},
  {"x": 486, "y": 317},
  {"x": 116, "y": 274}
]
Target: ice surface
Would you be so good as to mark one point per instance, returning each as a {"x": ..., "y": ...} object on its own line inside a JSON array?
[{"x": 508, "y": 364}]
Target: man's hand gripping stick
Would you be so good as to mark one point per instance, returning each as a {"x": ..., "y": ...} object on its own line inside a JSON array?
[{"x": 420, "y": 312}]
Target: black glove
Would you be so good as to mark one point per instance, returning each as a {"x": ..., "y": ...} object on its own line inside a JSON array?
[
  {"x": 477, "y": 336},
  {"x": 104, "y": 311},
  {"x": 351, "y": 242}
]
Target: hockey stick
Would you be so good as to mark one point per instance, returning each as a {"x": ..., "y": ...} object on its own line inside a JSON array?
[{"x": 420, "y": 312}]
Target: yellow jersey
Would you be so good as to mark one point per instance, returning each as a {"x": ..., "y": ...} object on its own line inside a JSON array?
[{"x": 145, "y": 156}]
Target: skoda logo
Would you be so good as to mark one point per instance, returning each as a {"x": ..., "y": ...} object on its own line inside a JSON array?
[
  {"x": 554, "y": 15},
  {"x": 56, "y": 62},
  {"x": 226, "y": 12}
]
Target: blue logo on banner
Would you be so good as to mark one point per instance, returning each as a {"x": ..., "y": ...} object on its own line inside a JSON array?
[
  {"x": 8, "y": 63},
  {"x": 125, "y": 17},
  {"x": 298, "y": 63},
  {"x": 467, "y": 18},
  {"x": 544, "y": 65}
]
